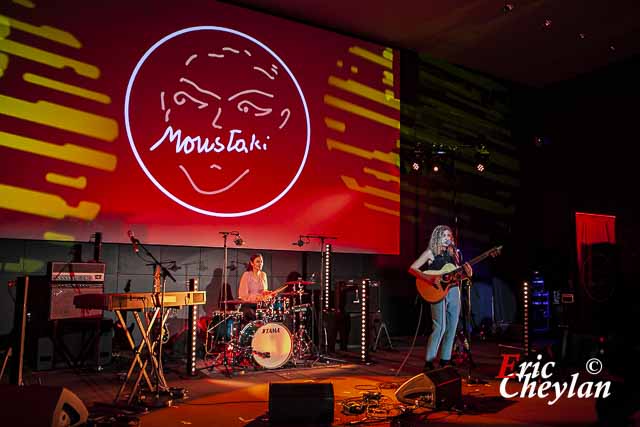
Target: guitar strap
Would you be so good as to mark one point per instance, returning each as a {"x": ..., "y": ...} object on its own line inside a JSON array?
[{"x": 457, "y": 257}]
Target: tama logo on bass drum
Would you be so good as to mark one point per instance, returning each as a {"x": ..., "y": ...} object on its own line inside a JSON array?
[{"x": 271, "y": 331}]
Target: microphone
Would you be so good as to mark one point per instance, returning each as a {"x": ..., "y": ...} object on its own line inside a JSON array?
[
  {"x": 239, "y": 241},
  {"x": 134, "y": 241},
  {"x": 298, "y": 243}
]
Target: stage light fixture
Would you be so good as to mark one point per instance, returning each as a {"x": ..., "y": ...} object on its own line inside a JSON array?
[
  {"x": 481, "y": 158},
  {"x": 326, "y": 279},
  {"x": 192, "y": 340},
  {"x": 525, "y": 321},
  {"x": 364, "y": 321},
  {"x": 440, "y": 156}
]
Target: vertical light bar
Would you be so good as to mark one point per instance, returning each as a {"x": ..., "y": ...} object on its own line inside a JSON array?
[
  {"x": 326, "y": 276},
  {"x": 193, "y": 331},
  {"x": 526, "y": 344},
  {"x": 364, "y": 321}
]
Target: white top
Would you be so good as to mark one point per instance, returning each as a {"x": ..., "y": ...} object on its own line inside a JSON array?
[{"x": 252, "y": 285}]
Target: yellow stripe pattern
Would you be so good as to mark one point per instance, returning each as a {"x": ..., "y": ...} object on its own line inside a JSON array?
[
  {"x": 52, "y": 235},
  {"x": 60, "y": 117},
  {"x": 365, "y": 91},
  {"x": 79, "y": 182},
  {"x": 361, "y": 111},
  {"x": 67, "y": 88},
  {"x": 391, "y": 158},
  {"x": 44, "y": 204},
  {"x": 44, "y": 31},
  {"x": 67, "y": 152},
  {"x": 48, "y": 58}
]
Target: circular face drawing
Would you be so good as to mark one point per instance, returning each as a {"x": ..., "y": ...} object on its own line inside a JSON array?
[{"x": 217, "y": 121}]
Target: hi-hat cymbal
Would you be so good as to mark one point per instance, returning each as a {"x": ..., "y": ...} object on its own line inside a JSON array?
[{"x": 300, "y": 282}]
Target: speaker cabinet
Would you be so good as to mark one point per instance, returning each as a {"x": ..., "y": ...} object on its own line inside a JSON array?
[
  {"x": 301, "y": 404},
  {"x": 437, "y": 389},
  {"x": 36, "y": 405},
  {"x": 77, "y": 342},
  {"x": 347, "y": 296},
  {"x": 354, "y": 331}
]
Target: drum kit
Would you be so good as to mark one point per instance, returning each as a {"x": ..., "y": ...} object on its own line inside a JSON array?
[{"x": 277, "y": 332}]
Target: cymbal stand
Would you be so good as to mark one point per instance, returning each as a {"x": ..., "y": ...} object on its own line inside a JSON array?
[{"x": 159, "y": 377}]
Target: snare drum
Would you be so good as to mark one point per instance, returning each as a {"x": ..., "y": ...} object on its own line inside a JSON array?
[{"x": 271, "y": 343}]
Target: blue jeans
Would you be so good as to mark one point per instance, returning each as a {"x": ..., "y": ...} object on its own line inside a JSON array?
[{"x": 444, "y": 315}]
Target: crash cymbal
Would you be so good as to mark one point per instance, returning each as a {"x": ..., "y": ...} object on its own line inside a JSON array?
[{"x": 300, "y": 282}]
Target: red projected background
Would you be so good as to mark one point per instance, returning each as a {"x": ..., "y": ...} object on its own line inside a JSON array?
[{"x": 194, "y": 119}]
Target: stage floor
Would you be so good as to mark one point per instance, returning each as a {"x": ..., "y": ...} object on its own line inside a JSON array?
[{"x": 216, "y": 400}]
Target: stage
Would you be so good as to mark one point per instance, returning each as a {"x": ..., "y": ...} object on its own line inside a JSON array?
[{"x": 243, "y": 399}]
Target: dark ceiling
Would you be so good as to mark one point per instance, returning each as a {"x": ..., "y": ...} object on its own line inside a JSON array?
[{"x": 534, "y": 42}]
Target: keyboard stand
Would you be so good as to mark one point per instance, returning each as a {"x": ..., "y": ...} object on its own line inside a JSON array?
[{"x": 141, "y": 358}]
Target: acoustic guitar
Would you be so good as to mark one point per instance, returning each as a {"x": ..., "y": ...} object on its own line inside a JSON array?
[{"x": 433, "y": 285}]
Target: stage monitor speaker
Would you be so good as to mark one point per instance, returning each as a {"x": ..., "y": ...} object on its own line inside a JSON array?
[
  {"x": 437, "y": 389},
  {"x": 301, "y": 403},
  {"x": 36, "y": 405}
]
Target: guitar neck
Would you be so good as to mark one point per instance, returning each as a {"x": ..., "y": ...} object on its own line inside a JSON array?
[{"x": 484, "y": 255}]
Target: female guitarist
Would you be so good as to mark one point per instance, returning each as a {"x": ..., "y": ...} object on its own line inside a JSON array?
[{"x": 444, "y": 313}]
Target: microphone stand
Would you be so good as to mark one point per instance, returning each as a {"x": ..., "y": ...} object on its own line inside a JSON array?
[
  {"x": 225, "y": 360},
  {"x": 322, "y": 329},
  {"x": 466, "y": 316},
  {"x": 159, "y": 374}
]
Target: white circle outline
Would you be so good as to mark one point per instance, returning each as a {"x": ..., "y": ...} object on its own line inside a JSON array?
[
  {"x": 591, "y": 370},
  {"x": 137, "y": 155}
]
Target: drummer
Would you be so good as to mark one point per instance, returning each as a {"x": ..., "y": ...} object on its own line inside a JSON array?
[{"x": 253, "y": 286}]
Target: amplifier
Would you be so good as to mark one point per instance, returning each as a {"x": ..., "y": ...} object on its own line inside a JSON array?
[
  {"x": 61, "y": 301},
  {"x": 54, "y": 300},
  {"x": 348, "y": 298},
  {"x": 76, "y": 272}
]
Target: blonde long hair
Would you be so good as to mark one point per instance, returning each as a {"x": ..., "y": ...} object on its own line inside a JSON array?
[{"x": 436, "y": 238}]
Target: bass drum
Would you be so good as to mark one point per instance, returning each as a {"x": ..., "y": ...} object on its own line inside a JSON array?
[{"x": 271, "y": 343}]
